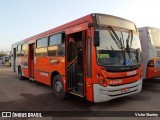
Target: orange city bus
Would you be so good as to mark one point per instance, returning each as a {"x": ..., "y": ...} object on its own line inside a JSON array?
[
  {"x": 150, "y": 44},
  {"x": 97, "y": 57}
]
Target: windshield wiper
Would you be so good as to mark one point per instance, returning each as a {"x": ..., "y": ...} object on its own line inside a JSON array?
[
  {"x": 128, "y": 47},
  {"x": 116, "y": 38},
  {"x": 122, "y": 38},
  {"x": 127, "y": 40},
  {"x": 117, "y": 43},
  {"x": 131, "y": 38}
]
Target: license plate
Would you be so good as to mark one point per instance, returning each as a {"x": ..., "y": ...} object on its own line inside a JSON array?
[{"x": 124, "y": 90}]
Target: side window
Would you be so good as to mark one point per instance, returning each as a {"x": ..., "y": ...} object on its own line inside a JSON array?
[
  {"x": 25, "y": 47},
  {"x": 57, "y": 50},
  {"x": 41, "y": 49},
  {"x": 56, "y": 45},
  {"x": 19, "y": 50},
  {"x": 41, "y": 52},
  {"x": 61, "y": 50},
  {"x": 55, "y": 39},
  {"x": 43, "y": 42},
  {"x": 52, "y": 51},
  {"x": 25, "y": 50}
]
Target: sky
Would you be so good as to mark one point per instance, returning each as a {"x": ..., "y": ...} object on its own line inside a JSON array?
[{"x": 20, "y": 19}]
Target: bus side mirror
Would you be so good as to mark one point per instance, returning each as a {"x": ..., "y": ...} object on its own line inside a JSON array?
[{"x": 96, "y": 38}]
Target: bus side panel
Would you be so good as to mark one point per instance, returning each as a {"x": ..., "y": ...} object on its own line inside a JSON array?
[
  {"x": 40, "y": 70},
  {"x": 45, "y": 66},
  {"x": 152, "y": 72},
  {"x": 24, "y": 65},
  {"x": 89, "y": 85},
  {"x": 42, "y": 77},
  {"x": 25, "y": 72},
  {"x": 89, "y": 89},
  {"x": 18, "y": 62}
]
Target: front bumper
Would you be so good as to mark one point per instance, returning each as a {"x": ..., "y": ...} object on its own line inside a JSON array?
[{"x": 102, "y": 94}]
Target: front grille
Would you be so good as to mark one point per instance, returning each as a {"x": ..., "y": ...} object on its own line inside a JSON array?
[
  {"x": 119, "y": 90},
  {"x": 121, "y": 68},
  {"x": 123, "y": 93},
  {"x": 122, "y": 77}
]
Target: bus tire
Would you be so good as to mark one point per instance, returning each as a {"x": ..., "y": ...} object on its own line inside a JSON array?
[
  {"x": 58, "y": 87},
  {"x": 20, "y": 77}
]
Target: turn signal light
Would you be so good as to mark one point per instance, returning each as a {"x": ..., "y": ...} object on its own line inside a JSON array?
[{"x": 101, "y": 80}]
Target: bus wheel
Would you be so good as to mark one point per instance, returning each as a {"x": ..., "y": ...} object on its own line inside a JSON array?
[
  {"x": 20, "y": 74},
  {"x": 58, "y": 87}
]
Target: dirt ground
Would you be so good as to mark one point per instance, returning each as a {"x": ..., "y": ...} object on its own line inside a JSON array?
[{"x": 25, "y": 95}]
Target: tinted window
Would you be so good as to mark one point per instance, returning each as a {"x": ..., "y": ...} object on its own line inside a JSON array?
[
  {"x": 52, "y": 51},
  {"x": 25, "y": 50},
  {"x": 43, "y": 42},
  {"x": 56, "y": 50},
  {"x": 61, "y": 50},
  {"x": 55, "y": 39},
  {"x": 40, "y": 52},
  {"x": 18, "y": 50},
  {"x": 25, "y": 47}
]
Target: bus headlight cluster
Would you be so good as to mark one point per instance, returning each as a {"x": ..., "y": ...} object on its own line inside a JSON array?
[{"x": 101, "y": 80}]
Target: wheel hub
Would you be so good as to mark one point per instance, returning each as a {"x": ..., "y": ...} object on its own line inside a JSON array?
[{"x": 58, "y": 86}]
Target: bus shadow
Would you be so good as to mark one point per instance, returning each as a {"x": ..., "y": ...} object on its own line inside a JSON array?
[
  {"x": 81, "y": 104},
  {"x": 48, "y": 102},
  {"x": 157, "y": 80},
  {"x": 151, "y": 85}
]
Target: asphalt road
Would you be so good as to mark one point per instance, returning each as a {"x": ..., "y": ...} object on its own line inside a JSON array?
[{"x": 24, "y": 95}]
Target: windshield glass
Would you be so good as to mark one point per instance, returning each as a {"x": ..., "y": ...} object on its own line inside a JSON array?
[{"x": 123, "y": 50}]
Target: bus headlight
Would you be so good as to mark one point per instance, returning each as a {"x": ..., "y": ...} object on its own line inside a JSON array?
[{"x": 101, "y": 80}]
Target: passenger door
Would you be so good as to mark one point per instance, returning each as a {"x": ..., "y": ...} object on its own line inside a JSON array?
[
  {"x": 31, "y": 60},
  {"x": 75, "y": 47}
]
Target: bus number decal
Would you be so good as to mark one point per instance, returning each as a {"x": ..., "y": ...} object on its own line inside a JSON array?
[
  {"x": 131, "y": 73},
  {"x": 77, "y": 29},
  {"x": 44, "y": 74}
]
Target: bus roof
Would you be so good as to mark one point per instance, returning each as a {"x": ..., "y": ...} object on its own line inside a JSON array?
[
  {"x": 88, "y": 18},
  {"x": 148, "y": 27}
]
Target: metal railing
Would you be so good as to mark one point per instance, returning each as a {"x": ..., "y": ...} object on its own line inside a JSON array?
[{"x": 71, "y": 72}]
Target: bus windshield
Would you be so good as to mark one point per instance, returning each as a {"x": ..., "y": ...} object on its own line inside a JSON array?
[{"x": 118, "y": 48}]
